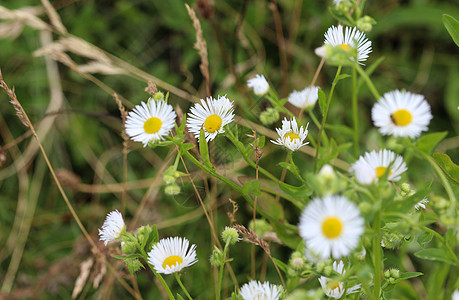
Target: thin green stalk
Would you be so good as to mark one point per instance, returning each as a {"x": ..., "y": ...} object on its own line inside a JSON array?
[
  {"x": 220, "y": 273},
  {"x": 368, "y": 81},
  {"x": 322, "y": 125},
  {"x": 145, "y": 256},
  {"x": 377, "y": 254},
  {"x": 292, "y": 163},
  {"x": 177, "y": 277},
  {"x": 355, "y": 117},
  {"x": 313, "y": 117}
]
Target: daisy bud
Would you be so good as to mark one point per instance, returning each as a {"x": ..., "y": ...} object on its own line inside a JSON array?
[
  {"x": 168, "y": 179},
  {"x": 133, "y": 264},
  {"x": 405, "y": 187},
  {"x": 269, "y": 116},
  {"x": 395, "y": 273},
  {"x": 112, "y": 228},
  {"x": 217, "y": 259},
  {"x": 365, "y": 24},
  {"x": 143, "y": 233},
  {"x": 172, "y": 189},
  {"x": 297, "y": 263},
  {"x": 230, "y": 234},
  {"x": 159, "y": 96},
  {"x": 128, "y": 247},
  {"x": 328, "y": 270},
  {"x": 259, "y": 85},
  {"x": 387, "y": 273}
]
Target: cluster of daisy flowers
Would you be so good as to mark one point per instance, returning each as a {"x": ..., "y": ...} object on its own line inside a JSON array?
[{"x": 167, "y": 256}]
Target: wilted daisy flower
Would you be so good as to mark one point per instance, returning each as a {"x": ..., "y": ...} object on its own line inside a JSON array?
[
  {"x": 112, "y": 228},
  {"x": 401, "y": 113},
  {"x": 259, "y": 85},
  {"x": 373, "y": 165},
  {"x": 290, "y": 136},
  {"x": 349, "y": 38},
  {"x": 149, "y": 122},
  {"x": 171, "y": 255},
  {"x": 305, "y": 98},
  {"x": 421, "y": 204},
  {"x": 255, "y": 290},
  {"x": 333, "y": 288},
  {"x": 331, "y": 225},
  {"x": 211, "y": 115}
]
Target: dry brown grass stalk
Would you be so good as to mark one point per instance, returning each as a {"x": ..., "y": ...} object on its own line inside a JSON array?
[
  {"x": 125, "y": 149},
  {"x": 201, "y": 46},
  {"x": 24, "y": 16},
  {"x": 54, "y": 17},
  {"x": 23, "y": 115}
]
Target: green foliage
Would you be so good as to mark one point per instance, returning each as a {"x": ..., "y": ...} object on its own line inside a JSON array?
[{"x": 452, "y": 25}]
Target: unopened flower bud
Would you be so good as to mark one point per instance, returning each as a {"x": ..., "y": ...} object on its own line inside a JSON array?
[
  {"x": 269, "y": 116},
  {"x": 128, "y": 247},
  {"x": 133, "y": 264},
  {"x": 159, "y": 96},
  {"x": 172, "y": 189},
  {"x": 231, "y": 234},
  {"x": 328, "y": 270},
  {"x": 217, "y": 259},
  {"x": 405, "y": 187},
  {"x": 143, "y": 233},
  {"x": 365, "y": 23},
  {"x": 395, "y": 273}
]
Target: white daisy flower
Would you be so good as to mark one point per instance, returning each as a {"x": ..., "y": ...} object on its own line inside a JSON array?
[
  {"x": 401, "y": 113},
  {"x": 211, "y": 115},
  {"x": 171, "y": 255},
  {"x": 333, "y": 288},
  {"x": 255, "y": 290},
  {"x": 259, "y": 85},
  {"x": 331, "y": 225},
  {"x": 349, "y": 37},
  {"x": 305, "y": 98},
  {"x": 455, "y": 295},
  {"x": 149, "y": 122},
  {"x": 373, "y": 165},
  {"x": 112, "y": 228},
  {"x": 290, "y": 136}
]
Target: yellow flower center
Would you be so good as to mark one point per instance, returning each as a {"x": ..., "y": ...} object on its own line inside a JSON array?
[
  {"x": 381, "y": 170},
  {"x": 292, "y": 136},
  {"x": 345, "y": 47},
  {"x": 152, "y": 125},
  {"x": 332, "y": 227},
  {"x": 212, "y": 123},
  {"x": 401, "y": 117},
  {"x": 172, "y": 261},
  {"x": 333, "y": 284}
]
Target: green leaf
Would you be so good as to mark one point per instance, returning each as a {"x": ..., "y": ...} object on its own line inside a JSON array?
[
  {"x": 252, "y": 187},
  {"x": 270, "y": 206},
  {"x": 427, "y": 143},
  {"x": 261, "y": 141},
  {"x": 179, "y": 297},
  {"x": 452, "y": 25},
  {"x": 425, "y": 238},
  {"x": 185, "y": 147},
  {"x": 204, "y": 150},
  {"x": 435, "y": 254},
  {"x": 342, "y": 76},
  {"x": 153, "y": 238},
  {"x": 340, "y": 129},
  {"x": 450, "y": 169},
  {"x": 322, "y": 101},
  {"x": 300, "y": 192},
  {"x": 289, "y": 167},
  {"x": 181, "y": 129},
  {"x": 407, "y": 275},
  {"x": 130, "y": 256},
  {"x": 283, "y": 266}
]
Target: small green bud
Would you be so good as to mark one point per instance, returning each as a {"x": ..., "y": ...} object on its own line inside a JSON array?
[
  {"x": 328, "y": 270},
  {"x": 387, "y": 273},
  {"x": 320, "y": 266},
  {"x": 403, "y": 194},
  {"x": 391, "y": 280},
  {"x": 405, "y": 187},
  {"x": 128, "y": 247},
  {"x": 133, "y": 264},
  {"x": 297, "y": 263},
  {"x": 159, "y": 96},
  {"x": 269, "y": 116},
  {"x": 217, "y": 259},
  {"x": 231, "y": 234},
  {"x": 395, "y": 273},
  {"x": 344, "y": 6},
  {"x": 365, "y": 207},
  {"x": 172, "y": 189},
  {"x": 168, "y": 179},
  {"x": 143, "y": 233},
  {"x": 365, "y": 23},
  {"x": 391, "y": 240}
]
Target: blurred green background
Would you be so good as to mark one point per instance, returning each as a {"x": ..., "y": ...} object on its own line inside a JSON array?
[{"x": 157, "y": 37}]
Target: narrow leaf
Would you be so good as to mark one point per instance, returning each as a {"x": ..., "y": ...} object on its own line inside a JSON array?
[
  {"x": 452, "y": 25},
  {"x": 204, "y": 150},
  {"x": 322, "y": 101},
  {"x": 435, "y": 254}
]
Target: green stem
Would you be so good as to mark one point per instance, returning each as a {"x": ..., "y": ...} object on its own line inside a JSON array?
[
  {"x": 377, "y": 254},
  {"x": 368, "y": 81},
  {"x": 313, "y": 117},
  {"x": 355, "y": 117},
  {"x": 220, "y": 272},
  {"x": 322, "y": 126},
  {"x": 443, "y": 241},
  {"x": 292, "y": 163},
  {"x": 177, "y": 277},
  {"x": 160, "y": 278}
]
